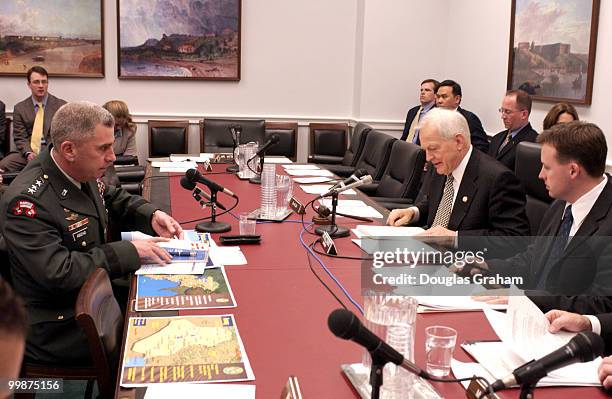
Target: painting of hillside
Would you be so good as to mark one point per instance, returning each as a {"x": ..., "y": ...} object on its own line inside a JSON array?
[
  {"x": 63, "y": 36},
  {"x": 179, "y": 39},
  {"x": 552, "y": 52}
]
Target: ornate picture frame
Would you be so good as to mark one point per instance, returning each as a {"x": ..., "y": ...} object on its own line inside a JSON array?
[{"x": 552, "y": 49}]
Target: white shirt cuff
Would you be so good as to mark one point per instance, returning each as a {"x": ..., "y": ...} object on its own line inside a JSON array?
[
  {"x": 417, "y": 214},
  {"x": 595, "y": 324}
]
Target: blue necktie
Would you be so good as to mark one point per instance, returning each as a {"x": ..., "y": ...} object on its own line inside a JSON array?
[{"x": 558, "y": 246}]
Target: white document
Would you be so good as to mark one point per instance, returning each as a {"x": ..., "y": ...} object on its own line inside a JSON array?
[
  {"x": 174, "y": 170},
  {"x": 189, "y": 158},
  {"x": 173, "y": 268},
  {"x": 182, "y": 390},
  {"x": 301, "y": 167},
  {"x": 363, "y": 230},
  {"x": 175, "y": 165},
  {"x": 353, "y": 207},
  {"x": 319, "y": 189},
  {"x": 449, "y": 303},
  {"x": 524, "y": 329},
  {"x": 227, "y": 256},
  {"x": 309, "y": 172},
  {"x": 277, "y": 160},
  {"x": 467, "y": 370},
  {"x": 310, "y": 180}
]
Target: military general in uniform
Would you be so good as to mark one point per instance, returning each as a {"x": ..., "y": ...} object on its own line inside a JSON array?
[{"x": 55, "y": 217}]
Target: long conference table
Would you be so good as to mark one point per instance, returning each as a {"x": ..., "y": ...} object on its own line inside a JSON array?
[{"x": 282, "y": 308}]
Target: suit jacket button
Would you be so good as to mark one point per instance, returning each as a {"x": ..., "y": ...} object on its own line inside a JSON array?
[
  {"x": 60, "y": 317},
  {"x": 83, "y": 244}
]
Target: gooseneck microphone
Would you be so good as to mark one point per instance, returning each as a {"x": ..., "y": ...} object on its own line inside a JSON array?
[
  {"x": 272, "y": 141},
  {"x": 584, "y": 347},
  {"x": 196, "y": 177},
  {"x": 352, "y": 178},
  {"x": 367, "y": 179},
  {"x": 191, "y": 186},
  {"x": 344, "y": 324}
]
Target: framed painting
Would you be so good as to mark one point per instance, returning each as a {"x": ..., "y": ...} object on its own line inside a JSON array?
[
  {"x": 66, "y": 37},
  {"x": 187, "y": 39},
  {"x": 552, "y": 49}
]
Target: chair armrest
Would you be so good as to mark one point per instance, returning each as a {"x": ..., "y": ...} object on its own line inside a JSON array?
[
  {"x": 126, "y": 160},
  {"x": 369, "y": 189},
  {"x": 330, "y": 159},
  {"x": 340, "y": 170},
  {"x": 394, "y": 203}
]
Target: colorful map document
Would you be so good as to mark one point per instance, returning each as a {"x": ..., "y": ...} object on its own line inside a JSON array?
[
  {"x": 184, "y": 349},
  {"x": 184, "y": 291}
]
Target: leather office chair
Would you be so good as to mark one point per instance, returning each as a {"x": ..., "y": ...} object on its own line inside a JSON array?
[
  {"x": 376, "y": 153},
  {"x": 130, "y": 173},
  {"x": 6, "y": 145},
  {"x": 216, "y": 137},
  {"x": 352, "y": 154},
  {"x": 401, "y": 179},
  {"x": 328, "y": 142},
  {"x": 287, "y": 132},
  {"x": 167, "y": 137},
  {"x": 527, "y": 168},
  {"x": 98, "y": 314}
]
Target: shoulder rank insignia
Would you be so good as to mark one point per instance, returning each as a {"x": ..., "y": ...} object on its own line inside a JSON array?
[
  {"x": 36, "y": 187},
  {"x": 26, "y": 208}
]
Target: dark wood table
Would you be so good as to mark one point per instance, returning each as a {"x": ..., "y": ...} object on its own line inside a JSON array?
[{"x": 282, "y": 308}]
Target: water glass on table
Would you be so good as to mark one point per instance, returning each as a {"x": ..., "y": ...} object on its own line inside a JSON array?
[
  {"x": 284, "y": 191},
  {"x": 439, "y": 346},
  {"x": 246, "y": 225}
]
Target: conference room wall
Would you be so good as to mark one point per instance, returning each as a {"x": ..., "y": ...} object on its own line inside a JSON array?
[{"x": 477, "y": 51}]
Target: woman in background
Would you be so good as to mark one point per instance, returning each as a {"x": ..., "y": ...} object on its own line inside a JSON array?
[
  {"x": 560, "y": 113},
  {"x": 125, "y": 128}
]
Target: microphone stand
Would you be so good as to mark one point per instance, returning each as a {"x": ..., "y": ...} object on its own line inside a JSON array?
[
  {"x": 213, "y": 226},
  {"x": 333, "y": 229},
  {"x": 376, "y": 374},
  {"x": 236, "y": 141},
  {"x": 527, "y": 391},
  {"x": 257, "y": 178}
]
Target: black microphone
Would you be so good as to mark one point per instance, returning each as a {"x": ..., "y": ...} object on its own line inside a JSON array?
[
  {"x": 358, "y": 173},
  {"x": 273, "y": 140},
  {"x": 584, "y": 347},
  {"x": 195, "y": 176},
  {"x": 344, "y": 324},
  {"x": 191, "y": 186}
]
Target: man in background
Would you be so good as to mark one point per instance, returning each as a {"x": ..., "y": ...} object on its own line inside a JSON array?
[
  {"x": 32, "y": 121},
  {"x": 427, "y": 98},
  {"x": 515, "y": 111},
  {"x": 448, "y": 95}
]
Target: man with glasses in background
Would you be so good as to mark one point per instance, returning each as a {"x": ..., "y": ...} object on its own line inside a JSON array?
[
  {"x": 515, "y": 111},
  {"x": 32, "y": 121}
]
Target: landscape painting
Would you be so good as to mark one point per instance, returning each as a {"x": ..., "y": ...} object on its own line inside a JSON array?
[
  {"x": 179, "y": 39},
  {"x": 552, "y": 49},
  {"x": 63, "y": 36}
]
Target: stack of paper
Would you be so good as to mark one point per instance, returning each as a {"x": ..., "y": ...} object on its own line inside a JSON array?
[
  {"x": 310, "y": 180},
  {"x": 524, "y": 335},
  {"x": 452, "y": 303},
  {"x": 276, "y": 160},
  {"x": 353, "y": 207},
  {"x": 301, "y": 167},
  {"x": 385, "y": 231},
  {"x": 189, "y": 158},
  {"x": 319, "y": 189},
  {"x": 309, "y": 172},
  {"x": 165, "y": 166}
]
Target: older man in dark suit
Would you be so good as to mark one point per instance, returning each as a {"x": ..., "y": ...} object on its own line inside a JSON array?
[
  {"x": 515, "y": 110},
  {"x": 32, "y": 121},
  {"x": 468, "y": 193}
]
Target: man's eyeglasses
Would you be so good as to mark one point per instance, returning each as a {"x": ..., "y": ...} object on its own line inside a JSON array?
[{"x": 508, "y": 111}]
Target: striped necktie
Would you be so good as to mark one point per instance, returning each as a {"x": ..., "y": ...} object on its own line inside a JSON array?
[
  {"x": 37, "y": 129},
  {"x": 445, "y": 206}
]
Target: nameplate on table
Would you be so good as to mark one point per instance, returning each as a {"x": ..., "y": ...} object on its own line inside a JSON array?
[
  {"x": 296, "y": 206},
  {"x": 328, "y": 244}
]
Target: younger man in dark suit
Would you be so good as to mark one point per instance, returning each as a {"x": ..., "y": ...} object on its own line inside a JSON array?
[
  {"x": 427, "y": 98},
  {"x": 32, "y": 121},
  {"x": 515, "y": 110},
  {"x": 448, "y": 95}
]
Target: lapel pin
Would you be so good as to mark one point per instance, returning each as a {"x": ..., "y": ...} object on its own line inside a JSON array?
[
  {"x": 64, "y": 192},
  {"x": 465, "y": 198}
]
